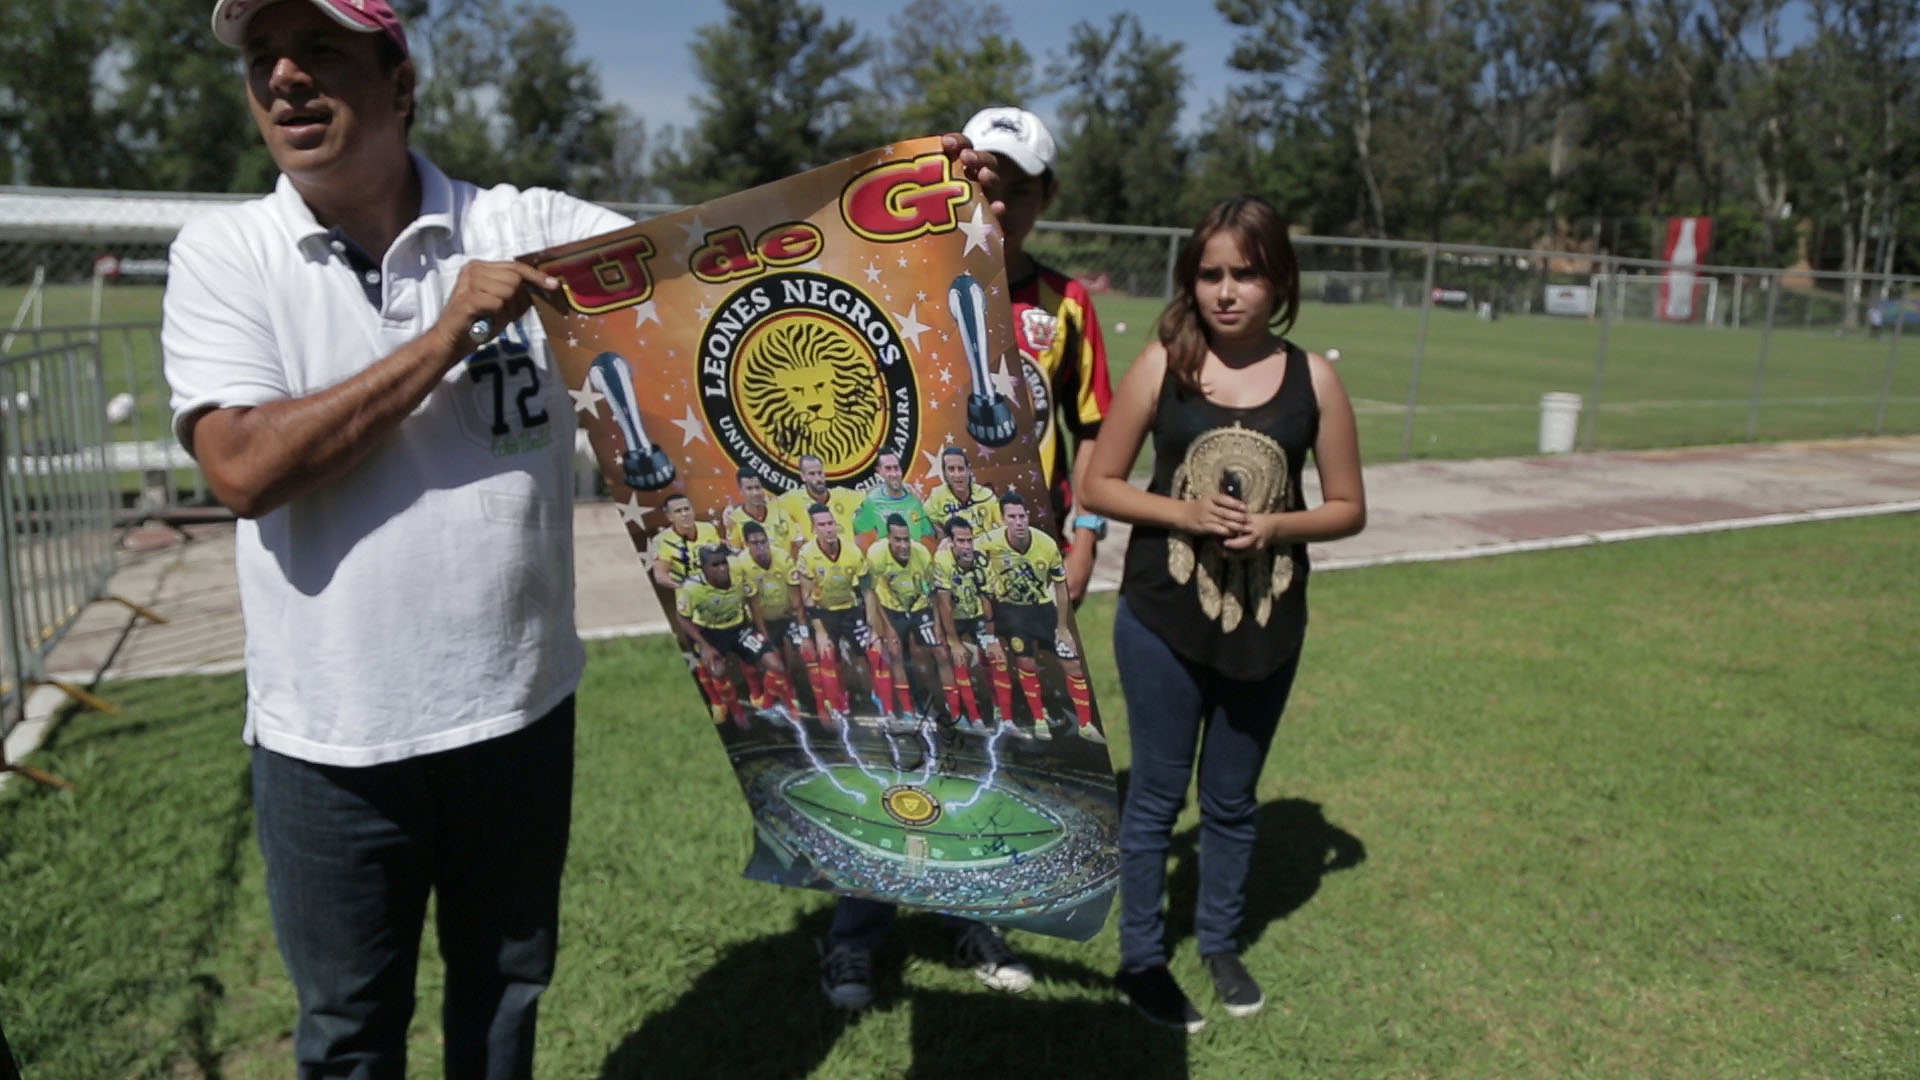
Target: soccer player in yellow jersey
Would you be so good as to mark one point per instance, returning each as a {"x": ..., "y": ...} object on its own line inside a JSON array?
[
  {"x": 676, "y": 560},
  {"x": 1028, "y": 582},
  {"x": 960, "y": 599},
  {"x": 676, "y": 550},
  {"x": 756, "y": 508},
  {"x": 902, "y": 600},
  {"x": 961, "y": 496},
  {"x": 831, "y": 574},
  {"x": 769, "y": 569},
  {"x": 721, "y": 617},
  {"x": 798, "y": 503}
]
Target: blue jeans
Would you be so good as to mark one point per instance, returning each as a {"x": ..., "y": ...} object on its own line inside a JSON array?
[
  {"x": 352, "y": 854},
  {"x": 1176, "y": 707},
  {"x": 863, "y": 924}
]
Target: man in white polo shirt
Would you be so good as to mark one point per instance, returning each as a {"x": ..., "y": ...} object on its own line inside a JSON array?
[{"x": 354, "y": 366}]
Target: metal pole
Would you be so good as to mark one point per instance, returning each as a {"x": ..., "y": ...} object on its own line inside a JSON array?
[
  {"x": 138, "y": 419},
  {"x": 1609, "y": 301},
  {"x": 1760, "y": 369},
  {"x": 1419, "y": 354},
  {"x": 106, "y": 483},
  {"x": 1173, "y": 259},
  {"x": 59, "y": 530},
  {"x": 1886, "y": 379},
  {"x": 1739, "y": 280},
  {"x": 10, "y": 608},
  {"x": 35, "y": 495}
]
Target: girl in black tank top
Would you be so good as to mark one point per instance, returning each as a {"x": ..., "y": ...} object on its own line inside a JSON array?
[{"x": 1213, "y": 604}]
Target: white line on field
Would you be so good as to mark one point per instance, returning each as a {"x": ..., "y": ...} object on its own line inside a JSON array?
[
  {"x": 1614, "y": 536},
  {"x": 1375, "y": 406}
]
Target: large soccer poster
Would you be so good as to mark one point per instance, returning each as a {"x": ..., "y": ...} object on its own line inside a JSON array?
[{"x": 809, "y": 406}]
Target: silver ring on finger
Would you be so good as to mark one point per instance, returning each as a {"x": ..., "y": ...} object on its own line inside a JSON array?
[{"x": 480, "y": 332}]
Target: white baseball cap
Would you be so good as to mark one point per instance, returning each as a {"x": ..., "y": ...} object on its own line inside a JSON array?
[{"x": 1016, "y": 134}]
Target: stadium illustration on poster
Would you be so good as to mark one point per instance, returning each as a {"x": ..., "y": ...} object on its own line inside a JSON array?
[{"x": 809, "y": 408}]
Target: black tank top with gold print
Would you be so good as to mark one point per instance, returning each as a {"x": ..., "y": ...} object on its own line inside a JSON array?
[{"x": 1242, "y": 615}]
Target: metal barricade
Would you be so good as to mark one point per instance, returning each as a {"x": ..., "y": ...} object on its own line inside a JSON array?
[
  {"x": 58, "y": 503},
  {"x": 141, "y": 449}
]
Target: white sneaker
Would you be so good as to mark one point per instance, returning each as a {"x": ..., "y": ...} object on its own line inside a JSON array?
[
  {"x": 1091, "y": 734},
  {"x": 983, "y": 948}
]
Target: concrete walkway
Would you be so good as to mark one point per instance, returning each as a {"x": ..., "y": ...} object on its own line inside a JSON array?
[{"x": 1419, "y": 511}]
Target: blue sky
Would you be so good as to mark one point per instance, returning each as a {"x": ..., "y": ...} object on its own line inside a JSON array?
[{"x": 644, "y": 57}]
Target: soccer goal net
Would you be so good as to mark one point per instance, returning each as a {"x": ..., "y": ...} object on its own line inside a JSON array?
[{"x": 1677, "y": 297}]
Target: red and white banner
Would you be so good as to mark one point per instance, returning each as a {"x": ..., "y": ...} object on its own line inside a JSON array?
[{"x": 1688, "y": 241}]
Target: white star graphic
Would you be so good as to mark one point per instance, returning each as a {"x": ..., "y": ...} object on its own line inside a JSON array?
[
  {"x": 933, "y": 461},
  {"x": 911, "y": 327},
  {"x": 573, "y": 341},
  {"x": 920, "y": 296},
  {"x": 1004, "y": 381},
  {"x": 587, "y": 400},
  {"x": 946, "y": 376},
  {"x": 702, "y": 311},
  {"x": 978, "y": 231},
  {"x": 696, "y": 231},
  {"x": 644, "y": 314},
  {"x": 692, "y": 428},
  {"x": 903, "y": 262},
  {"x": 873, "y": 273},
  {"x": 631, "y": 512}
]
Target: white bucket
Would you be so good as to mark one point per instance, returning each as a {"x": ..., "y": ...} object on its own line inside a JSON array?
[{"x": 1559, "y": 420}]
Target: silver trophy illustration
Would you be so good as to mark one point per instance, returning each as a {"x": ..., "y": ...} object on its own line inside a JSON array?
[
  {"x": 989, "y": 413},
  {"x": 645, "y": 466}
]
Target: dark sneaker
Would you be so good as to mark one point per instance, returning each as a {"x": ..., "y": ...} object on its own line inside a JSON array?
[
  {"x": 846, "y": 976},
  {"x": 1235, "y": 988},
  {"x": 981, "y": 948},
  {"x": 1160, "y": 999}
]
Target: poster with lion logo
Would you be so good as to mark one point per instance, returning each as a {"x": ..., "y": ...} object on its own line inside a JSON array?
[{"x": 807, "y": 402}]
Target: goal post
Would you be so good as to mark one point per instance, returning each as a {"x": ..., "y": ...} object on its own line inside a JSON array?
[{"x": 1638, "y": 296}]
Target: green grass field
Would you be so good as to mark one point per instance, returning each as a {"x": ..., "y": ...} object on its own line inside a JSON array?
[
  {"x": 1626, "y": 811},
  {"x": 1480, "y": 382}
]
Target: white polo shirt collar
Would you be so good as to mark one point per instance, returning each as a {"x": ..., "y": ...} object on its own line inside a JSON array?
[
  {"x": 322, "y": 243},
  {"x": 436, "y": 207}
]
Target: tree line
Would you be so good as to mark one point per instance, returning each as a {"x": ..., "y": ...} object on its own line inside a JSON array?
[{"x": 1566, "y": 124}]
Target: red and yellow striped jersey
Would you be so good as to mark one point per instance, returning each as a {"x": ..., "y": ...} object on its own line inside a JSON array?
[{"x": 1066, "y": 360}]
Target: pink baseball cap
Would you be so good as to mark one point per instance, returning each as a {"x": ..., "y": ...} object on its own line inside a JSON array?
[{"x": 230, "y": 19}]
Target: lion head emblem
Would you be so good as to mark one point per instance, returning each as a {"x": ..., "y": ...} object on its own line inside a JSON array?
[{"x": 811, "y": 387}]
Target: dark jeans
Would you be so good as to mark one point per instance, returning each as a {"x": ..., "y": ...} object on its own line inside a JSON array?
[
  {"x": 352, "y": 854},
  {"x": 863, "y": 924},
  {"x": 1175, "y": 707}
]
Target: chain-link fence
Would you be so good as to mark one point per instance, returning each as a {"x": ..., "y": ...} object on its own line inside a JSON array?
[
  {"x": 1447, "y": 350},
  {"x": 1460, "y": 351}
]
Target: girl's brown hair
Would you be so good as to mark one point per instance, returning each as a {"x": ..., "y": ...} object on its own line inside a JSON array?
[{"x": 1263, "y": 238}]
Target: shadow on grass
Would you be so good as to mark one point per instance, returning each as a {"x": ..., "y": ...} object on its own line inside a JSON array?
[
  {"x": 1295, "y": 847},
  {"x": 8, "y": 1069},
  {"x": 775, "y": 980}
]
